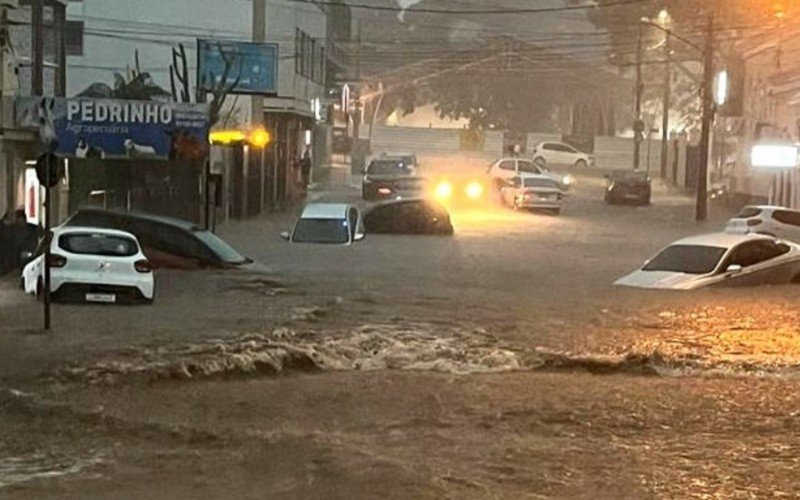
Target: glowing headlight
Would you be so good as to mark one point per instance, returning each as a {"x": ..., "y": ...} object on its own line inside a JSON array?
[
  {"x": 474, "y": 190},
  {"x": 567, "y": 180},
  {"x": 444, "y": 190}
]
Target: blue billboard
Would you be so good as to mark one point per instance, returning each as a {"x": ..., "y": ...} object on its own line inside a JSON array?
[
  {"x": 117, "y": 129},
  {"x": 253, "y": 67}
]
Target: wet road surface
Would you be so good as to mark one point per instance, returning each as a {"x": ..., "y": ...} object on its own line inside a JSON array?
[{"x": 381, "y": 353}]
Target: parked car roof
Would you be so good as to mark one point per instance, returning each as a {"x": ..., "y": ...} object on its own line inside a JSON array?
[
  {"x": 325, "y": 211},
  {"x": 89, "y": 229},
  {"x": 189, "y": 226},
  {"x": 721, "y": 239}
]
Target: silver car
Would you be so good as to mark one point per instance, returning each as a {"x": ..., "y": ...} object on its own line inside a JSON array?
[{"x": 532, "y": 192}]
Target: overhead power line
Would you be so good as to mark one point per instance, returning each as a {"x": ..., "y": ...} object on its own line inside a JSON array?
[{"x": 428, "y": 10}]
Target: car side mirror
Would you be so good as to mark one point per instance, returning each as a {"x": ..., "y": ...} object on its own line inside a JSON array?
[
  {"x": 358, "y": 237},
  {"x": 285, "y": 235},
  {"x": 26, "y": 256},
  {"x": 733, "y": 268}
]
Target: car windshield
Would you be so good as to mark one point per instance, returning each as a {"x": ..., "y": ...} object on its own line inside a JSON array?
[
  {"x": 98, "y": 244},
  {"x": 388, "y": 167},
  {"x": 535, "y": 182},
  {"x": 529, "y": 167},
  {"x": 689, "y": 259},
  {"x": 748, "y": 212},
  {"x": 321, "y": 231},
  {"x": 225, "y": 252}
]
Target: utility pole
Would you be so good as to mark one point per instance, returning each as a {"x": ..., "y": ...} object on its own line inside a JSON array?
[
  {"x": 37, "y": 15},
  {"x": 638, "y": 126},
  {"x": 667, "y": 99},
  {"x": 257, "y": 113},
  {"x": 701, "y": 207}
]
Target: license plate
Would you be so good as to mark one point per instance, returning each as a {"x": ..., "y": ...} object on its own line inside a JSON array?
[
  {"x": 546, "y": 197},
  {"x": 106, "y": 298}
]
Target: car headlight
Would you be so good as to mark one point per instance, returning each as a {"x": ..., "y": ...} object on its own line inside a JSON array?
[
  {"x": 568, "y": 180},
  {"x": 444, "y": 190},
  {"x": 474, "y": 190}
]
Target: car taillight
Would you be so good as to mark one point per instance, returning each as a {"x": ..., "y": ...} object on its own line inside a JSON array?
[
  {"x": 143, "y": 266},
  {"x": 56, "y": 260},
  {"x": 753, "y": 222}
]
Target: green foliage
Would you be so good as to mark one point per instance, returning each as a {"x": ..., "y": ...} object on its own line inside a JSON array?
[{"x": 502, "y": 101}]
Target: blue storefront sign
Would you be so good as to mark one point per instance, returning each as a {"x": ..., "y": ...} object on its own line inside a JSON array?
[
  {"x": 254, "y": 65},
  {"x": 117, "y": 129}
]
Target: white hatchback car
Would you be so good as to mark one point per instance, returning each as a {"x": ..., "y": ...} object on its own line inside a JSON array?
[
  {"x": 560, "y": 154},
  {"x": 775, "y": 221},
  {"x": 91, "y": 264}
]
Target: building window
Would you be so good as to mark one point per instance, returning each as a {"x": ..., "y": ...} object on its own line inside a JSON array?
[
  {"x": 309, "y": 57},
  {"x": 74, "y": 38}
]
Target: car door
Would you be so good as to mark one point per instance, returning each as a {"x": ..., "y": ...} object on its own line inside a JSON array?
[
  {"x": 761, "y": 264},
  {"x": 551, "y": 154},
  {"x": 787, "y": 225}
]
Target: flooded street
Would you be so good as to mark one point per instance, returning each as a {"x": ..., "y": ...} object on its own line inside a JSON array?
[{"x": 482, "y": 366}]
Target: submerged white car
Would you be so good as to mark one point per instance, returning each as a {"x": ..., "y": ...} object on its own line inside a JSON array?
[
  {"x": 91, "y": 264},
  {"x": 719, "y": 259},
  {"x": 327, "y": 223}
]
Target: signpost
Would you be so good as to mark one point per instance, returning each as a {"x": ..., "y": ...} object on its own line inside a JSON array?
[{"x": 49, "y": 171}]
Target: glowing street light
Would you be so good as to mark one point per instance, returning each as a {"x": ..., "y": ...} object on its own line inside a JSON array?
[{"x": 257, "y": 138}]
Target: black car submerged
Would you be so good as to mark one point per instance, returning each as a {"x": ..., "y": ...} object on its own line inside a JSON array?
[{"x": 626, "y": 186}]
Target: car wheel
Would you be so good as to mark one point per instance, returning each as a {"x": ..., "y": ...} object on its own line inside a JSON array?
[
  {"x": 556, "y": 211},
  {"x": 795, "y": 280},
  {"x": 540, "y": 161},
  {"x": 581, "y": 164},
  {"x": 646, "y": 201},
  {"x": 39, "y": 290},
  {"x": 609, "y": 198}
]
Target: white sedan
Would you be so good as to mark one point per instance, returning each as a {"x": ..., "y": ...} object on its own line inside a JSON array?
[
  {"x": 721, "y": 259},
  {"x": 532, "y": 192},
  {"x": 91, "y": 264},
  {"x": 505, "y": 169}
]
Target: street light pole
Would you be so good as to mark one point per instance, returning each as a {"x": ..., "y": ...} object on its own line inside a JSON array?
[
  {"x": 701, "y": 207},
  {"x": 667, "y": 98},
  {"x": 637, "y": 125}
]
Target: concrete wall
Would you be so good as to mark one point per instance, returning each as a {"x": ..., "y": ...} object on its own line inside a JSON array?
[{"x": 436, "y": 149}]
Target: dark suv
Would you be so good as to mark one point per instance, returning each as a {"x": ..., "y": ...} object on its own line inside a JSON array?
[{"x": 390, "y": 177}]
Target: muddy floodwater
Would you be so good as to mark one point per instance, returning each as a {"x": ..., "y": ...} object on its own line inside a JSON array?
[{"x": 499, "y": 363}]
